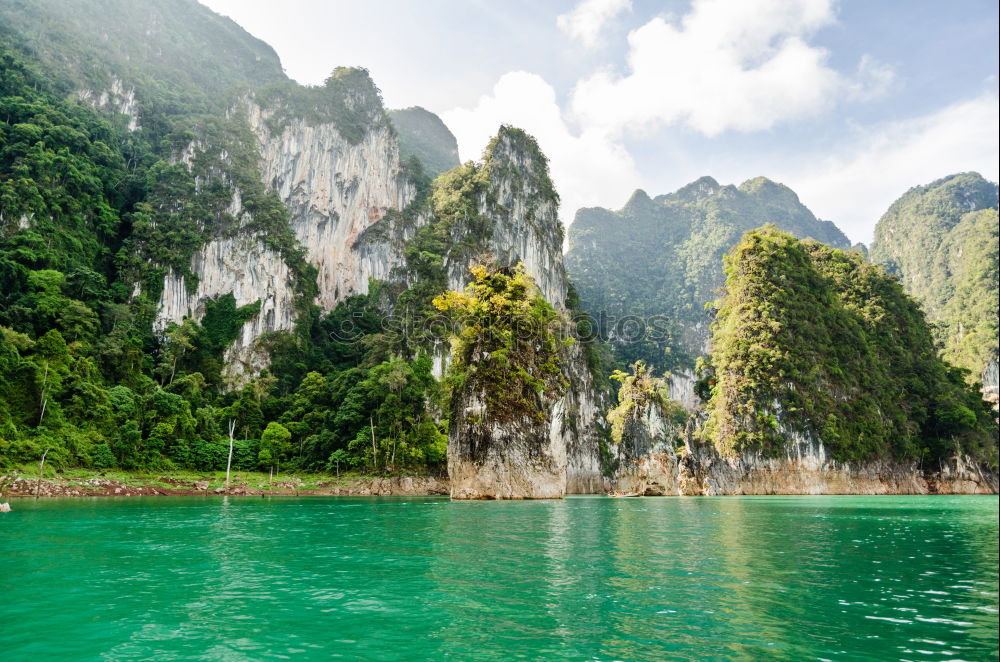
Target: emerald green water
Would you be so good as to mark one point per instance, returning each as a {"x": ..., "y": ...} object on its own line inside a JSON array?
[{"x": 585, "y": 578}]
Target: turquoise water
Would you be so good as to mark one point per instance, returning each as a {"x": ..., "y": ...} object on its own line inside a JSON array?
[{"x": 585, "y": 578}]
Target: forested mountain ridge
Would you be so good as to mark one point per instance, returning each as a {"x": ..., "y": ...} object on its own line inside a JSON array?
[
  {"x": 173, "y": 57},
  {"x": 661, "y": 258},
  {"x": 942, "y": 241}
]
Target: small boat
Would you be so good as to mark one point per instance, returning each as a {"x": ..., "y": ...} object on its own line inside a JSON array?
[
  {"x": 624, "y": 494},
  {"x": 4, "y": 507}
]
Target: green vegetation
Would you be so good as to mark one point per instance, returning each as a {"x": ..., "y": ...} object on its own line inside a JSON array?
[
  {"x": 941, "y": 239},
  {"x": 90, "y": 206},
  {"x": 423, "y": 135},
  {"x": 181, "y": 57},
  {"x": 348, "y": 98},
  {"x": 508, "y": 349},
  {"x": 815, "y": 341},
  {"x": 660, "y": 259},
  {"x": 640, "y": 390},
  {"x": 204, "y": 481}
]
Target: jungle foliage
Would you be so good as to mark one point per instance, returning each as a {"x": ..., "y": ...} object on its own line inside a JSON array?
[
  {"x": 508, "y": 344},
  {"x": 815, "y": 342},
  {"x": 942, "y": 241},
  {"x": 93, "y": 202}
]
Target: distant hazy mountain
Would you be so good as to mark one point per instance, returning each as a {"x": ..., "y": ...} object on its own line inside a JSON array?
[
  {"x": 663, "y": 256},
  {"x": 422, "y": 134},
  {"x": 942, "y": 241}
]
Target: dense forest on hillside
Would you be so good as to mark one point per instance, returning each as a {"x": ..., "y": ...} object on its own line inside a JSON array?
[
  {"x": 942, "y": 240},
  {"x": 816, "y": 342},
  {"x": 92, "y": 205}
]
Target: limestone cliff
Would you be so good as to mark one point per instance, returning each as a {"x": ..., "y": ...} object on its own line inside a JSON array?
[
  {"x": 646, "y": 455},
  {"x": 493, "y": 459},
  {"x": 244, "y": 267},
  {"x": 651, "y": 464},
  {"x": 117, "y": 98},
  {"x": 335, "y": 190},
  {"x": 517, "y": 222}
]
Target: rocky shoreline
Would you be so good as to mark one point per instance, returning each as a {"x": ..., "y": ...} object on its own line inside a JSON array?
[
  {"x": 23, "y": 486},
  {"x": 657, "y": 474}
]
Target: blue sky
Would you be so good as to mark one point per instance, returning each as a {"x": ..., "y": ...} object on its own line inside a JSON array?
[{"x": 849, "y": 103}]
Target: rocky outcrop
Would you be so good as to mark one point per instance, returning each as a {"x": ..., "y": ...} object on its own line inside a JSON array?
[
  {"x": 251, "y": 272},
  {"x": 649, "y": 464},
  {"x": 117, "y": 98},
  {"x": 503, "y": 459},
  {"x": 530, "y": 459},
  {"x": 335, "y": 191},
  {"x": 646, "y": 456},
  {"x": 524, "y": 218}
]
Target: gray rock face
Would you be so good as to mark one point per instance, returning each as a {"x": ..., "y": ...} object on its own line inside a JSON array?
[
  {"x": 335, "y": 191},
  {"x": 649, "y": 464},
  {"x": 489, "y": 459},
  {"x": 116, "y": 99},
  {"x": 244, "y": 267},
  {"x": 529, "y": 459},
  {"x": 525, "y": 224},
  {"x": 647, "y": 457}
]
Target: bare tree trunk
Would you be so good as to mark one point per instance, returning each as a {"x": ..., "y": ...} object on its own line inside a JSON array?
[
  {"x": 45, "y": 399},
  {"x": 229, "y": 462},
  {"x": 371, "y": 422},
  {"x": 270, "y": 473},
  {"x": 41, "y": 468}
]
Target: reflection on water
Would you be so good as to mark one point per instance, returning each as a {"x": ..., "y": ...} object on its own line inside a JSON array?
[{"x": 584, "y": 578}]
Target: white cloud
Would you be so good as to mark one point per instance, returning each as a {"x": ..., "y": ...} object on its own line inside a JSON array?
[
  {"x": 588, "y": 17},
  {"x": 588, "y": 169},
  {"x": 726, "y": 65},
  {"x": 855, "y": 187}
]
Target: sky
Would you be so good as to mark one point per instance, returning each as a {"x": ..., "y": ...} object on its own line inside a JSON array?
[{"x": 850, "y": 103}]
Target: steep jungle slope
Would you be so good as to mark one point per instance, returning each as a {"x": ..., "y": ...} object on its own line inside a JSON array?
[
  {"x": 813, "y": 345},
  {"x": 942, "y": 240}
]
